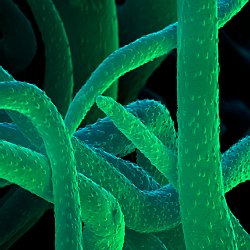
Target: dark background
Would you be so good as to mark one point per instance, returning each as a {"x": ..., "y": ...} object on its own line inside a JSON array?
[{"x": 234, "y": 79}]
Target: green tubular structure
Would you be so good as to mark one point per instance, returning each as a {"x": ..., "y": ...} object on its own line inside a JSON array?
[
  {"x": 156, "y": 201},
  {"x": 232, "y": 159},
  {"x": 9, "y": 132},
  {"x": 18, "y": 43},
  {"x": 117, "y": 114},
  {"x": 103, "y": 134},
  {"x": 149, "y": 111},
  {"x": 174, "y": 238},
  {"x": 142, "y": 161},
  {"x": 42, "y": 176},
  {"x": 137, "y": 175},
  {"x": 159, "y": 205},
  {"x": 23, "y": 123},
  {"x": 50, "y": 125},
  {"x": 235, "y": 157},
  {"x": 153, "y": 114},
  {"x": 101, "y": 214},
  {"x": 153, "y": 212},
  {"x": 29, "y": 138},
  {"x": 121, "y": 61},
  {"x": 200, "y": 183},
  {"x": 17, "y": 221},
  {"x": 120, "y": 119},
  {"x": 135, "y": 19},
  {"x": 127, "y": 58},
  {"x": 159, "y": 155},
  {"x": 137, "y": 133},
  {"x": 92, "y": 30},
  {"x": 58, "y": 82},
  {"x": 234, "y": 164}
]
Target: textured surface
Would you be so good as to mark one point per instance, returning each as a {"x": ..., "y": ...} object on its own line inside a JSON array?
[{"x": 138, "y": 178}]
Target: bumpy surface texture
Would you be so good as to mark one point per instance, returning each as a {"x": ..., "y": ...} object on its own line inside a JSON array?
[{"x": 84, "y": 138}]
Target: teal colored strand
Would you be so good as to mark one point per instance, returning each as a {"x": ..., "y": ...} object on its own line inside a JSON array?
[
  {"x": 234, "y": 158},
  {"x": 121, "y": 61},
  {"x": 118, "y": 116},
  {"x": 235, "y": 168},
  {"x": 125, "y": 59},
  {"x": 227, "y": 9},
  {"x": 28, "y": 169},
  {"x": 18, "y": 214},
  {"x": 135, "y": 19},
  {"x": 97, "y": 134},
  {"x": 38, "y": 181},
  {"x": 9, "y": 132},
  {"x": 4, "y": 117},
  {"x": 137, "y": 175},
  {"x": 137, "y": 241},
  {"x": 141, "y": 137},
  {"x": 133, "y": 172},
  {"x": 23, "y": 123},
  {"x": 232, "y": 162},
  {"x": 39, "y": 109},
  {"x": 204, "y": 212},
  {"x": 58, "y": 82},
  {"x": 163, "y": 128},
  {"x": 104, "y": 134},
  {"x": 142, "y": 161},
  {"x": 142, "y": 205},
  {"x": 242, "y": 237},
  {"x": 18, "y": 41},
  {"x": 92, "y": 30},
  {"x": 101, "y": 215}
]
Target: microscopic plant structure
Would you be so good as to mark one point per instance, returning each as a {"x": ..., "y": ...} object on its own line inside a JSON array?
[{"x": 117, "y": 171}]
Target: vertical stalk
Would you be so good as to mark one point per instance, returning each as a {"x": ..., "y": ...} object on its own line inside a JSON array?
[
  {"x": 92, "y": 30},
  {"x": 204, "y": 212},
  {"x": 58, "y": 82}
]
